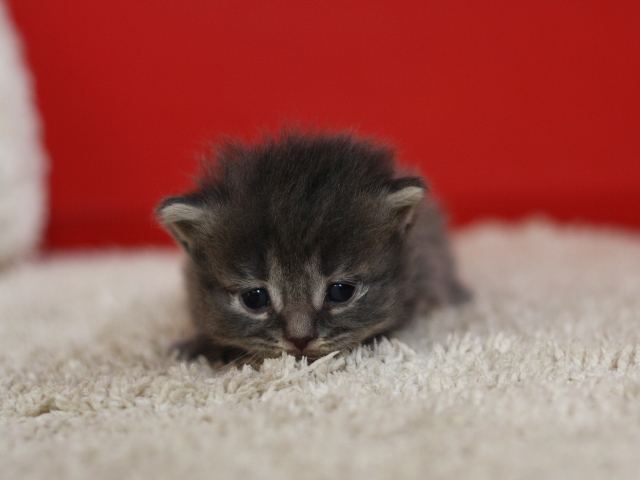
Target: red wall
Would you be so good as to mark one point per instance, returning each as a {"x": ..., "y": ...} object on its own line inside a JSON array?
[{"x": 509, "y": 107}]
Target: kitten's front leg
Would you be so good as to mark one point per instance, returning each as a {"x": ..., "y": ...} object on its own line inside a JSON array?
[
  {"x": 192, "y": 347},
  {"x": 202, "y": 344}
]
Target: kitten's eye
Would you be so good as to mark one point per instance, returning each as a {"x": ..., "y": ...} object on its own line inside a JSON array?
[
  {"x": 339, "y": 292},
  {"x": 256, "y": 299}
]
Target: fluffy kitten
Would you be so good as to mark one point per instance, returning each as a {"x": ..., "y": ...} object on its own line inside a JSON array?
[{"x": 307, "y": 244}]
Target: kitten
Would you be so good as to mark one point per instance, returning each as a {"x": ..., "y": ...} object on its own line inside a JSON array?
[{"x": 307, "y": 243}]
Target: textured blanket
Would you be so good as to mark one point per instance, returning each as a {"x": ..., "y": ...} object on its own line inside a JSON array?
[{"x": 539, "y": 377}]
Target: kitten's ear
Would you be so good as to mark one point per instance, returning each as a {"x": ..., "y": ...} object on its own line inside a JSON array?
[
  {"x": 404, "y": 196},
  {"x": 182, "y": 216}
]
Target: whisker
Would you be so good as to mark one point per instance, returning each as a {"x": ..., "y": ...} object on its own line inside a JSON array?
[
  {"x": 237, "y": 359},
  {"x": 241, "y": 360}
]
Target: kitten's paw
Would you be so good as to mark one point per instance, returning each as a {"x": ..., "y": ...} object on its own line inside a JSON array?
[
  {"x": 460, "y": 294},
  {"x": 202, "y": 345},
  {"x": 191, "y": 348}
]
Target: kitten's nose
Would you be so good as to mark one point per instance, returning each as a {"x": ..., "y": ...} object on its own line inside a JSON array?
[
  {"x": 300, "y": 342},
  {"x": 299, "y": 328}
]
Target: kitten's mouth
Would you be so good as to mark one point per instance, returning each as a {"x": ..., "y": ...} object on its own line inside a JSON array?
[
  {"x": 309, "y": 349},
  {"x": 311, "y": 352},
  {"x": 308, "y": 355}
]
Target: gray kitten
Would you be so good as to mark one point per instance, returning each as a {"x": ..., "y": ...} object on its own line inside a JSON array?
[{"x": 307, "y": 244}]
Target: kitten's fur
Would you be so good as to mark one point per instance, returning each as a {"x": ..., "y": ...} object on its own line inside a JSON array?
[{"x": 292, "y": 216}]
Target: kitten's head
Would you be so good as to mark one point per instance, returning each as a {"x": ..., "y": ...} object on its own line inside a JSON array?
[{"x": 297, "y": 244}]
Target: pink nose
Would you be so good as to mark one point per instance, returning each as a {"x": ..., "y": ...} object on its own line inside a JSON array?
[{"x": 300, "y": 342}]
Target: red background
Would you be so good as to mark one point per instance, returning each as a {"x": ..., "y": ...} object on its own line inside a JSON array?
[{"x": 509, "y": 108}]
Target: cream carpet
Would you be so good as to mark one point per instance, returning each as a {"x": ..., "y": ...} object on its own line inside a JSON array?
[{"x": 538, "y": 378}]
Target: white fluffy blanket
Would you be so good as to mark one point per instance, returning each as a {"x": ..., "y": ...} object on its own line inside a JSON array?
[{"x": 538, "y": 378}]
